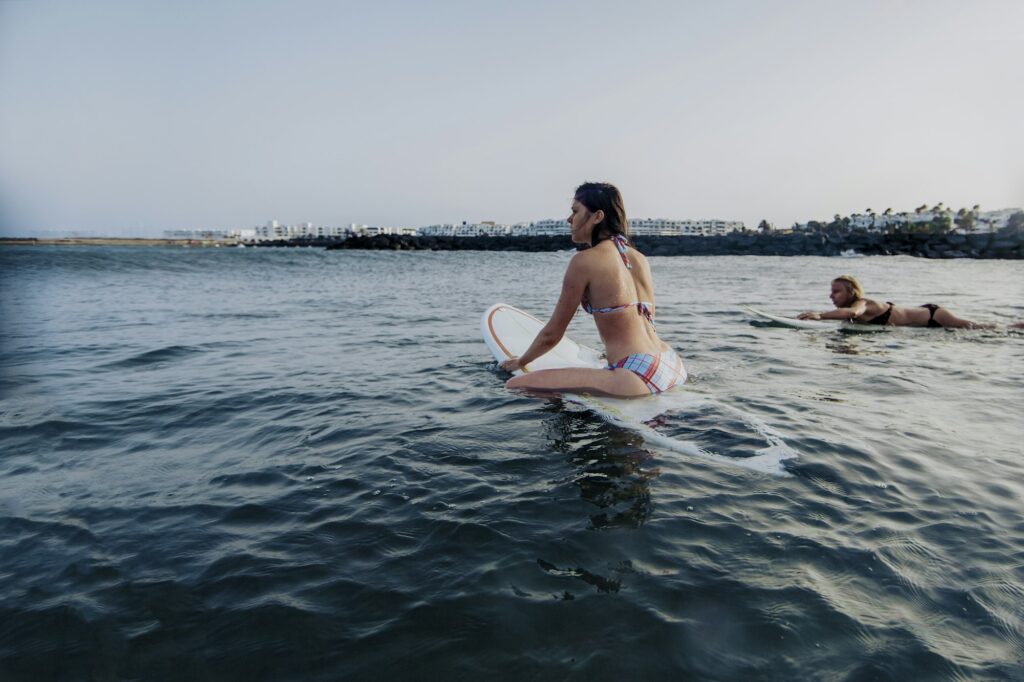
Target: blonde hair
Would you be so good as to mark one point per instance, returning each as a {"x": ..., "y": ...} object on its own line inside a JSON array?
[{"x": 852, "y": 284}]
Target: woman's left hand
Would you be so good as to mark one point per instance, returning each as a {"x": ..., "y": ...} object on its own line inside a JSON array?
[{"x": 511, "y": 365}]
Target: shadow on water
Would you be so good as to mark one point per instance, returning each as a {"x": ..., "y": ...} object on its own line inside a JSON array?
[
  {"x": 610, "y": 466},
  {"x": 852, "y": 344},
  {"x": 689, "y": 424},
  {"x": 713, "y": 430}
]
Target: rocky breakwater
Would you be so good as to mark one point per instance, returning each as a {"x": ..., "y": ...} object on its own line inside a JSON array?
[{"x": 1004, "y": 244}]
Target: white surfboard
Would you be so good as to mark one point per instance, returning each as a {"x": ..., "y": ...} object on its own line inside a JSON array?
[
  {"x": 509, "y": 331},
  {"x": 820, "y": 325}
]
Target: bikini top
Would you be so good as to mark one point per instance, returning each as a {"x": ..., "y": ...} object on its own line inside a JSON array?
[
  {"x": 884, "y": 317},
  {"x": 642, "y": 307}
]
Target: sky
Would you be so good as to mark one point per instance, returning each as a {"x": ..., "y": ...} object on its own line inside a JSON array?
[{"x": 130, "y": 117}]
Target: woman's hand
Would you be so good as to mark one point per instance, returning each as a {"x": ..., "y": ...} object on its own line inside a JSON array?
[
  {"x": 809, "y": 315},
  {"x": 511, "y": 365}
]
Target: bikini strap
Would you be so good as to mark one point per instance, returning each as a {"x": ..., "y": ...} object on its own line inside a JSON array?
[
  {"x": 645, "y": 312},
  {"x": 623, "y": 249}
]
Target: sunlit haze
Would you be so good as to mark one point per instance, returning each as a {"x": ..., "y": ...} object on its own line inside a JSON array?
[{"x": 130, "y": 118}]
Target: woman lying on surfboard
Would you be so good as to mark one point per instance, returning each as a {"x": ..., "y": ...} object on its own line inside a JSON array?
[
  {"x": 612, "y": 281},
  {"x": 848, "y": 297}
]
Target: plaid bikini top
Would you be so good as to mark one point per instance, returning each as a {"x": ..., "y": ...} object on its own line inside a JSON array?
[{"x": 642, "y": 307}]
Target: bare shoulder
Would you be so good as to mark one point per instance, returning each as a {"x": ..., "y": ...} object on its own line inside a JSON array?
[
  {"x": 582, "y": 262},
  {"x": 639, "y": 258},
  {"x": 581, "y": 258},
  {"x": 867, "y": 307}
]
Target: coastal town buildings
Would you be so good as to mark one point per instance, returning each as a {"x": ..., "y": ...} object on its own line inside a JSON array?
[
  {"x": 677, "y": 228},
  {"x": 550, "y": 227},
  {"x": 981, "y": 221},
  {"x": 200, "y": 235},
  {"x": 990, "y": 221},
  {"x": 274, "y": 230},
  {"x": 962, "y": 221},
  {"x": 557, "y": 227},
  {"x": 486, "y": 228}
]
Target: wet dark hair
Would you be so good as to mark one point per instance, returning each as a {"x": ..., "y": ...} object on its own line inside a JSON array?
[{"x": 604, "y": 196}]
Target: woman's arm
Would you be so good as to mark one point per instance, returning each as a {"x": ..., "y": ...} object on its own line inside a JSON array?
[
  {"x": 855, "y": 310},
  {"x": 573, "y": 285}
]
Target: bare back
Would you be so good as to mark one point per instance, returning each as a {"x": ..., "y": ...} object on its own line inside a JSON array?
[{"x": 608, "y": 283}]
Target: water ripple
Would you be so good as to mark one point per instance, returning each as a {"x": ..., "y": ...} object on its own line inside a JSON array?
[{"x": 282, "y": 485}]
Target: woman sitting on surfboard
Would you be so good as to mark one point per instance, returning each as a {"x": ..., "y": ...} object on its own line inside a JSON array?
[
  {"x": 612, "y": 281},
  {"x": 848, "y": 297}
]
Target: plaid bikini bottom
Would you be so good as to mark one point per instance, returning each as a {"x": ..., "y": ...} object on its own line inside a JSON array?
[{"x": 660, "y": 372}]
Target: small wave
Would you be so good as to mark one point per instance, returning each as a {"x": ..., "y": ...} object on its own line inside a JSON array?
[
  {"x": 235, "y": 316},
  {"x": 253, "y": 479},
  {"x": 52, "y": 428},
  {"x": 153, "y": 357}
]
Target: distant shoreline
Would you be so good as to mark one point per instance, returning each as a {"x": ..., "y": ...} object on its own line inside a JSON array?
[
  {"x": 112, "y": 241},
  {"x": 1005, "y": 244}
]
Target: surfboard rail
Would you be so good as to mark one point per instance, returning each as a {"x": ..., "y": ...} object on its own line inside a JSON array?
[
  {"x": 819, "y": 325},
  {"x": 509, "y": 331}
]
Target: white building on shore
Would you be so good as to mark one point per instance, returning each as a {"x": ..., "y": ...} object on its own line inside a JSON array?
[
  {"x": 374, "y": 230},
  {"x": 880, "y": 221},
  {"x": 990, "y": 221},
  {"x": 275, "y": 230},
  {"x": 200, "y": 235},
  {"x": 486, "y": 228},
  {"x": 662, "y": 227},
  {"x": 984, "y": 221},
  {"x": 543, "y": 228},
  {"x": 641, "y": 227}
]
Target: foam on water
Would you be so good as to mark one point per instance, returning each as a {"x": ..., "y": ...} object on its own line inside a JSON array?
[{"x": 633, "y": 414}]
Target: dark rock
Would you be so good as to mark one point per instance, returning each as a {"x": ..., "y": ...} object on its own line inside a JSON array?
[{"x": 1005, "y": 244}]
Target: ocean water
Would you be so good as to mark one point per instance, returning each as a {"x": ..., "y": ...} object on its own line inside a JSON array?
[{"x": 301, "y": 464}]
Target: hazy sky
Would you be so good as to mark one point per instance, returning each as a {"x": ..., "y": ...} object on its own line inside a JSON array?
[{"x": 135, "y": 116}]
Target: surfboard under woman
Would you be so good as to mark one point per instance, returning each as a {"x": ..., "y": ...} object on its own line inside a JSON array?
[{"x": 612, "y": 281}]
